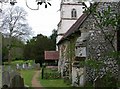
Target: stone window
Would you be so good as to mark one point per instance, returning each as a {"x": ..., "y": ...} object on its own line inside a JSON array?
[
  {"x": 80, "y": 52},
  {"x": 73, "y": 13}
]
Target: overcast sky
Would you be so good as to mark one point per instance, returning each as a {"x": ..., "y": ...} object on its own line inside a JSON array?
[{"x": 43, "y": 20}]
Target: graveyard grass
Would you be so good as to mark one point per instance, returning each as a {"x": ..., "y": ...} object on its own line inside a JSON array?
[
  {"x": 27, "y": 76},
  {"x": 13, "y": 63},
  {"x": 52, "y": 82}
]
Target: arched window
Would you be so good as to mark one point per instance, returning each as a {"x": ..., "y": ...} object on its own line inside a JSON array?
[{"x": 73, "y": 13}]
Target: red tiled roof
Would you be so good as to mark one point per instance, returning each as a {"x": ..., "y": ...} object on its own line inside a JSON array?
[{"x": 51, "y": 55}]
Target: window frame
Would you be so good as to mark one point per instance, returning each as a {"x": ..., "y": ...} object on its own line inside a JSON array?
[{"x": 73, "y": 13}]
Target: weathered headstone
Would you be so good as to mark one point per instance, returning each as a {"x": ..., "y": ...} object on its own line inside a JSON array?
[
  {"x": 37, "y": 66},
  {"x": 3, "y": 68},
  {"x": 13, "y": 73},
  {"x": 29, "y": 66},
  {"x": 17, "y": 81},
  {"x": 34, "y": 65},
  {"x": 23, "y": 66},
  {"x": 5, "y": 78},
  {"x": 17, "y": 66},
  {"x": 9, "y": 68},
  {"x": 26, "y": 67},
  {"x": 20, "y": 66}
]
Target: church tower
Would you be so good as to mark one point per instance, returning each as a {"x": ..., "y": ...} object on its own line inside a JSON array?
[{"x": 70, "y": 11}]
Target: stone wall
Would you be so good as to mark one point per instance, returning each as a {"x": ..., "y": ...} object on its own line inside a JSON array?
[{"x": 99, "y": 48}]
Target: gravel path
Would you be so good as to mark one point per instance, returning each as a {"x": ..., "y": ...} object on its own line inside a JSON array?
[{"x": 35, "y": 80}]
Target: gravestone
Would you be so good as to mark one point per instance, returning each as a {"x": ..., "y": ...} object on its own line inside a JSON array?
[
  {"x": 34, "y": 65},
  {"x": 13, "y": 73},
  {"x": 5, "y": 78},
  {"x": 26, "y": 66},
  {"x": 20, "y": 66},
  {"x": 17, "y": 81},
  {"x": 17, "y": 66},
  {"x": 38, "y": 66},
  {"x": 3, "y": 68},
  {"x": 29, "y": 66},
  {"x": 9, "y": 68},
  {"x": 23, "y": 66}
]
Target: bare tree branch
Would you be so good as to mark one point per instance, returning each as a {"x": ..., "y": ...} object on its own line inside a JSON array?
[{"x": 14, "y": 25}]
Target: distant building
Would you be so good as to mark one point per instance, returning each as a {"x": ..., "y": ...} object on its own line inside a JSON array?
[{"x": 51, "y": 58}]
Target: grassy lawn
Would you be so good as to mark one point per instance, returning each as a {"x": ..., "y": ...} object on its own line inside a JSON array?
[
  {"x": 13, "y": 63},
  {"x": 27, "y": 75},
  {"x": 18, "y": 62},
  {"x": 52, "y": 82}
]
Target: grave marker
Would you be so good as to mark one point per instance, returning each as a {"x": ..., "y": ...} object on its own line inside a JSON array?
[
  {"x": 5, "y": 78},
  {"x": 17, "y": 81}
]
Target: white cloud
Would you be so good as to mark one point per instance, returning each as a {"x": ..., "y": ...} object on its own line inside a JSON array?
[{"x": 43, "y": 20}]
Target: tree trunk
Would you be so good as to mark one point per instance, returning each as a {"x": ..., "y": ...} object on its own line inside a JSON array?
[{"x": 9, "y": 56}]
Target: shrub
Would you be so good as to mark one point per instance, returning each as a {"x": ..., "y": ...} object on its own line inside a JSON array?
[{"x": 51, "y": 74}]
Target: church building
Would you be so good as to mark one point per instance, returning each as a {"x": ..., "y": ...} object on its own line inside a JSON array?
[
  {"x": 84, "y": 51},
  {"x": 70, "y": 11}
]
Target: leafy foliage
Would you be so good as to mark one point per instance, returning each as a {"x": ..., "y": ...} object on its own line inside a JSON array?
[
  {"x": 14, "y": 26},
  {"x": 34, "y": 49},
  {"x": 53, "y": 38},
  {"x": 51, "y": 73},
  {"x": 17, "y": 47}
]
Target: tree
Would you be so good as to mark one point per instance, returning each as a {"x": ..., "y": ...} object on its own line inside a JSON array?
[
  {"x": 34, "y": 49},
  {"x": 14, "y": 25},
  {"x": 29, "y": 49},
  {"x": 16, "y": 50},
  {"x": 53, "y": 38}
]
